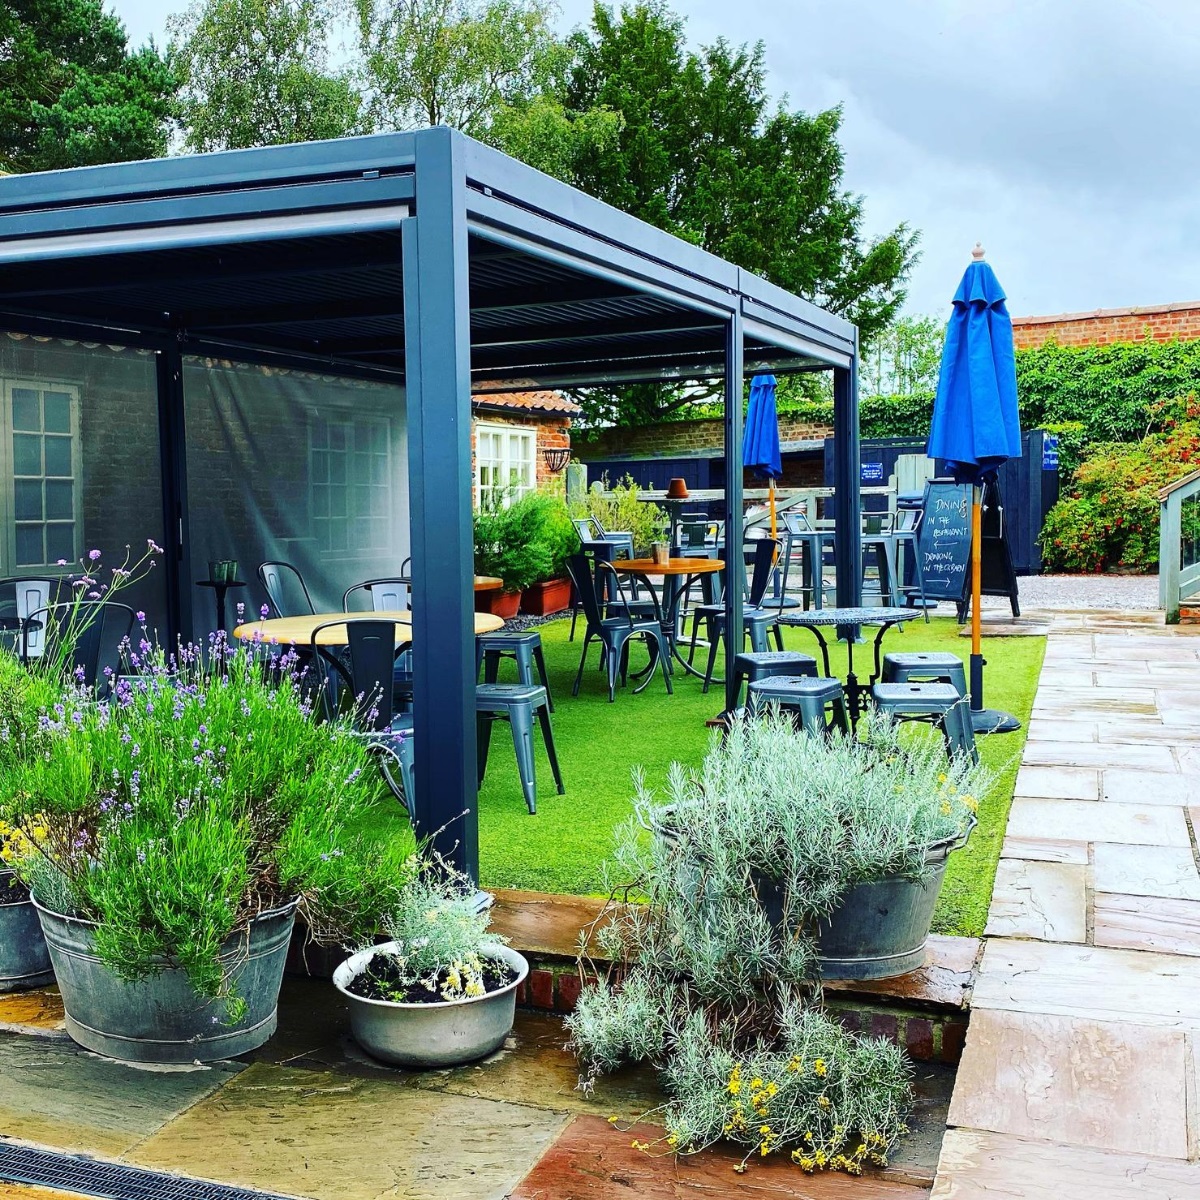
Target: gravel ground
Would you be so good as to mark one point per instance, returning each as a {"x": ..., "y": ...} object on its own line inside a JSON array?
[{"x": 1083, "y": 591}]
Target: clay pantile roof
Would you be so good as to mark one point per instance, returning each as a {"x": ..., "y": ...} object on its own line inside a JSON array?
[{"x": 537, "y": 400}]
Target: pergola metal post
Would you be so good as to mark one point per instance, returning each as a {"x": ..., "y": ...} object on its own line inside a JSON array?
[
  {"x": 847, "y": 498},
  {"x": 735, "y": 564},
  {"x": 437, "y": 340},
  {"x": 173, "y": 459}
]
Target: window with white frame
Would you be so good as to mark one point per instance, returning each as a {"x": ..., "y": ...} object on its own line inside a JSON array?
[
  {"x": 505, "y": 464},
  {"x": 350, "y": 483},
  {"x": 40, "y": 461}
]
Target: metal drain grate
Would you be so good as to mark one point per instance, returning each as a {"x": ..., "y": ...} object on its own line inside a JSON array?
[{"x": 71, "y": 1173}]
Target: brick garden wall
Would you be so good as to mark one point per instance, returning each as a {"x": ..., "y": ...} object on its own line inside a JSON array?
[
  {"x": 1158, "y": 323},
  {"x": 673, "y": 439}
]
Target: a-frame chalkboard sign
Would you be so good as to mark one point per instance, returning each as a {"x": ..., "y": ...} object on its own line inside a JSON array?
[
  {"x": 945, "y": 540},
  {"x": 945, "y": 546}
]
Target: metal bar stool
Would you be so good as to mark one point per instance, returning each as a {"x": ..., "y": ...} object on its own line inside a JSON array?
[
  {"x": 516, "y": 703},
  {"x": 771, "y": 664},
  {"x": 805, "y": 699},
  {"x": 925, "y": 666},
  {"x": 525, "y": 649},
  {"x": 936, "y": 702}
]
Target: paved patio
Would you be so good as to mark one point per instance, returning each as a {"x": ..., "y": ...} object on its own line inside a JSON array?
[{"x": 1080, "y": 1076}]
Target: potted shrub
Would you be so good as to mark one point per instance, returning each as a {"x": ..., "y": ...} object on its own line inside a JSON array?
[
  {"x": 621, "y": 508},
  {"x": 522, "y": 544},
  {"x": 552, "y": 593},
  {"x": 715, "y": 978},
  {"x": 175, "y": 832},
  {"x": 442, "y": 990},
  {"x": 24, "y": 958}
]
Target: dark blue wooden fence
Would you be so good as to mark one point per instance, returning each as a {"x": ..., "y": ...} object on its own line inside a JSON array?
[{"x": 1027, "y": 488}]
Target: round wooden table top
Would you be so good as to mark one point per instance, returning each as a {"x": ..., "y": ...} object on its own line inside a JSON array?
[
  {"x": 298, "y": 631},
  {"x": 675, "y": 566},
  {"x": 488, "y": 583}
]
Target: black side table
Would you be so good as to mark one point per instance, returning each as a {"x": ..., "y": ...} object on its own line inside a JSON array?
[{"x": 221, "y": 589}]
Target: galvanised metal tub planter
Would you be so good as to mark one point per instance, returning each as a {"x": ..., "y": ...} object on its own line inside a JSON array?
[
  {"x": 24, "y": 958},
  {"x": 880, "y": 928},
  {"x": 161, "y": 1019},
  {"x": 439, "y": 1034}
]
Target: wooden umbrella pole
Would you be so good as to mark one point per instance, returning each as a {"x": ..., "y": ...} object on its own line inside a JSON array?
[
  {"x": 976, "y": 595},
  {"x": 771, "y": 495}
]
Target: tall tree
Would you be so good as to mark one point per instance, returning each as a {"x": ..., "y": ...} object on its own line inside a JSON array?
[
  {"x": 72, "y": 93},
  {"x": 257, "y": 73},
  {"x": 456, "y": 62},
  {"x": 702, "y": 153}
]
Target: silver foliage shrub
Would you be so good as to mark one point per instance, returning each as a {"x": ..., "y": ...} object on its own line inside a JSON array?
[{"x": 725, "y": 881}]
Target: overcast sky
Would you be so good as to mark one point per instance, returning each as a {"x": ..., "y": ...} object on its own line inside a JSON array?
[{"x": 1062, "y": 135}]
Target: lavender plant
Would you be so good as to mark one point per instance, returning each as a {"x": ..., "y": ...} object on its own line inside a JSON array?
[{"x": 199, "y": 795}]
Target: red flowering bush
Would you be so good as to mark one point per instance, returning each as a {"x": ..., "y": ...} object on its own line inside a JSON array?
[{"x": 1108, "y": 516}]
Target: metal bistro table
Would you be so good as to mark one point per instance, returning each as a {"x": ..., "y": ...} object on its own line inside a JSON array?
[
  {"x": 815, "y": 619},
  {"x": 677, "y": 575}
]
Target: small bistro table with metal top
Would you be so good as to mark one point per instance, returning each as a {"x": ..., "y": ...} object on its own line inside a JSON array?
[
  {"x": 815, "y": 619},
  {"x": 298, "y": 631},
  {"x": 677, "y": 575}
]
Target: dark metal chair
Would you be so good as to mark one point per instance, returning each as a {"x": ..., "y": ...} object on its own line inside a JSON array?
[
  {"x": 615, "y": 625},
  {"x": 99, "y": 631},
  {"x": 285, "y": 588},
  {"x": 358, "y": 676},
  {"x": 386, "y": 595},
  {"x": 756, "y": 620},
  {"x": 29, "y": 596}
]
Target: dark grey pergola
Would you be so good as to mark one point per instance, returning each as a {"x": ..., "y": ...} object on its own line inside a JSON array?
[{"x": 425, "y": 259}]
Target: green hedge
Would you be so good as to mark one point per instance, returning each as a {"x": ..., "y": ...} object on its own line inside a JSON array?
[{"x": 1085, "y": 394}]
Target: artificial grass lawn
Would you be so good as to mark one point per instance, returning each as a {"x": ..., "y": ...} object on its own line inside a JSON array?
[{"x": 562, "y": 847}]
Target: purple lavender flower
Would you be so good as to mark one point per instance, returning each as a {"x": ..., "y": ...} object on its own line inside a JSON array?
[
  {"x": 140, "y": 616},
  {"x": 265, "y": 611},
  {"x": 153, "y": 546},
  {"x": 94, "y": 555}
]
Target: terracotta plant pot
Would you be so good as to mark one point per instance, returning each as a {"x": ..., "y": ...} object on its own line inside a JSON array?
[
  {"x": 504, "y": 605},
  {"x": 550, "y": 596}
]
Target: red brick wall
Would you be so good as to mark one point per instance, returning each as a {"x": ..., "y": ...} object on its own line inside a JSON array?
[
  {"x": 674, "y": 438},
  {"x": 1158, "y": 323}
]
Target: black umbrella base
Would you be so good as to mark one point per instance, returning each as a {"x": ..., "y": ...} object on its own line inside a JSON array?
[{"x": 993, "y": 720}]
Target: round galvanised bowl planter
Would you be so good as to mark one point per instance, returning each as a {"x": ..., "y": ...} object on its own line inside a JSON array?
[
  {"x": 879, "y": 929},
  {"x": 440, "y": 1034},
  {"x": 24, "y": 958},
  {"x": 161, "y": 1019}
]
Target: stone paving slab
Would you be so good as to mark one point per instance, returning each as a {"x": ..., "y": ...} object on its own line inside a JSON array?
[
  {"x": 1148, "y": 923},
  {"x": 1045, "y": 850},
  {"x": 1091, "y": 754},
  {"x": 1046, "y": 900},
  {"x": 333, "y": 1137},
  {"x": 1058, "y": 783},
  {"x": 1166, "y": 871},
  {"x": 589, "y": 1163},
  {"x": 1090, "y": 982},
  {"x": 36, "y": 1012},
  {"x": 19, "y": 1191},
  {"x": 1081, "y": 1082},
  {"x": 1138, "y": 787},
  {"x": 977, "y": 1165},
  {"x": 1135, "y": 825},
  {"x": 58, "y": 1095}
]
